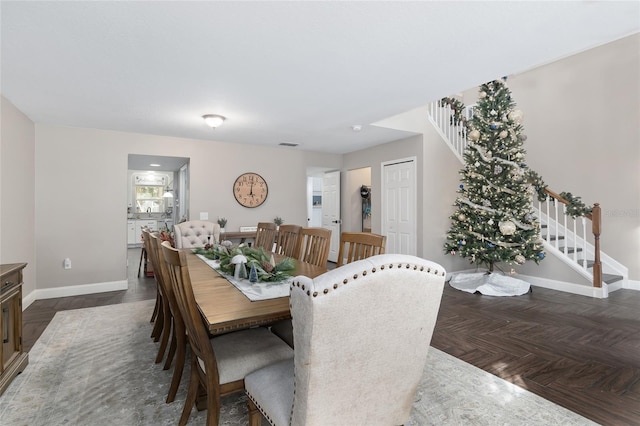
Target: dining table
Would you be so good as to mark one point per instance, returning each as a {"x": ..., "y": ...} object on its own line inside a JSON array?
[{"x": 224, "y": 308}]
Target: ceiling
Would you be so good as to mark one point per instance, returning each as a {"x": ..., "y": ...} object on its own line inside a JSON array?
[{"x": 281, "y": 72}]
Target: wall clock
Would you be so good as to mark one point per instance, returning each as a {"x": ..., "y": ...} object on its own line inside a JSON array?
[{"x": 250, "y": 190}]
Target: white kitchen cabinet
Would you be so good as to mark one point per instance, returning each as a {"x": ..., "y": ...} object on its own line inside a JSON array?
[
  {"x": 134, "y": 234},
  {"x": 131, "y": 232}
]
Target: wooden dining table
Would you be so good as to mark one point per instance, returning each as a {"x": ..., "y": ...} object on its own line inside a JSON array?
[{"x": 224, "y": 308}]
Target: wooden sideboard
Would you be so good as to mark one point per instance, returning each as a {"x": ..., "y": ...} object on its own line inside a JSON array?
[{"x": 13, "y": 359}]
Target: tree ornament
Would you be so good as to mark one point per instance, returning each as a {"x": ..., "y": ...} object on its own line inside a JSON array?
[
  {"x": 490, "y": 222},
  {"x": 497, "y": 169},
  {"x": 482, "y": 95},
  {"x": 507, "y": 227},
  {"x": 520, "y": 259},
  {"x": 477, "y": 164},
  {"x": 493, "y": 112},
  {"x": 516, "y": 116},
  {"x": 461, "y": 217},
  {"x": 492, "y": 126},
  {"x": 523, "y": 138},
  {"x": 503, "y": 134},
  {"x": 474, "y": 135}
]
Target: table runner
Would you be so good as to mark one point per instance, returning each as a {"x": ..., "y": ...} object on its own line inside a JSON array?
[{"x": 253, "y": 291}]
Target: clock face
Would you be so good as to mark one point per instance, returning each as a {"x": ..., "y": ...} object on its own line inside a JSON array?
[{"x": 250, "y": 190}]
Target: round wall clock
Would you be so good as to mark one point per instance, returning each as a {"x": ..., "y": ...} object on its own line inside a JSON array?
[{"x": 250, "y": 190}]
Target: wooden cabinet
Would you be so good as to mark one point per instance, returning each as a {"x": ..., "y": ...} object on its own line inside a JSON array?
[{"x": 12, "y": 358}]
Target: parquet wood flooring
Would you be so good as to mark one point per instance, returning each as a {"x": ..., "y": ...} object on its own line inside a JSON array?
[{"x": 579, "y": 352}]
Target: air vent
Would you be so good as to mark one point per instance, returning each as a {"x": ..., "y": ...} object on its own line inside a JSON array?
[{"x": 287, "y": 144}]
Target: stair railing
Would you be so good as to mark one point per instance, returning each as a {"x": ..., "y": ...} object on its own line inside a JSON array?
[{"x": 573, "y": 232}]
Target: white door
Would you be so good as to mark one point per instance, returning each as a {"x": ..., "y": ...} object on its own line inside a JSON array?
[
  {"x": 399, "y": 206},
  {"x": 331, "y": 211}
]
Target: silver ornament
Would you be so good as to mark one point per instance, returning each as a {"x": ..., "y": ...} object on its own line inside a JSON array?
[{"x": 507, "y": 227}]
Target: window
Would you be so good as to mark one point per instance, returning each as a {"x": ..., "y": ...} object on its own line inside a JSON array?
[{"x": 149, "y": 198}]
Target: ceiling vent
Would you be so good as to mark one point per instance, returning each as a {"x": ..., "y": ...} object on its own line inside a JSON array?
[{"x": 287, "y": 144}]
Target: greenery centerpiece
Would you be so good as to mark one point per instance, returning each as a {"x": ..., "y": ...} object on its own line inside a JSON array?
[{"x": 268, "y": 270}]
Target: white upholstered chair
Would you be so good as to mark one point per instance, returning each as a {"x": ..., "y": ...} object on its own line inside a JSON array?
[
  {"x": 196, "y": 233},
  {"x": 362, "y": 332}
]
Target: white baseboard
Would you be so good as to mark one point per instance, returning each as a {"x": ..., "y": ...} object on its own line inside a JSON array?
[
  {"x": 632, "y": 285},
  {"x": 72, "y": 290},
  {"x": 567, "y": 287}
]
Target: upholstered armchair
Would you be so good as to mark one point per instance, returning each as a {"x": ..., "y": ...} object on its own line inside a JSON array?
[
  {"x": 362, "y": 332},
  {"x": 196, "y": 233}
]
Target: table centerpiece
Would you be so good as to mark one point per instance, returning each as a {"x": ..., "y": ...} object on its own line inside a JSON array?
[{"x": 266, "y": 267}]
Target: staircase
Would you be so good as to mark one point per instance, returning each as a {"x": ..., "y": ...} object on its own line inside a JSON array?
[{"x": 575, "y": 241}]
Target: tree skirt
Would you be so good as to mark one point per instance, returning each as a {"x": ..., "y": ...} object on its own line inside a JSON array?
[{"x": 489, "y": 284}]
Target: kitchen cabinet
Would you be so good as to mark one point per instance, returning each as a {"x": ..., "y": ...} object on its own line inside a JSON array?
[
  {"x": 134, "y": 229},
  {"x": 13, "y": 360}
]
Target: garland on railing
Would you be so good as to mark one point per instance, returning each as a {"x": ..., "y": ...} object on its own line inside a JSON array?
[
  {"x": 457, "y": 107},
  {"x": 575, "y": 206}
]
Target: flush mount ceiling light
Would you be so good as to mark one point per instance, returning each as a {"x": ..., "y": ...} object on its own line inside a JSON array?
[{"x": 213, "y": 120}]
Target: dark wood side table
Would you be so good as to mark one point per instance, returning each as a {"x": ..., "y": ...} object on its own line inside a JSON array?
[{"x": 13, "y": 359}]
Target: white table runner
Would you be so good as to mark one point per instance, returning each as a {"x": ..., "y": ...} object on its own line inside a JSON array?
[{"x": 253, "y": 291}]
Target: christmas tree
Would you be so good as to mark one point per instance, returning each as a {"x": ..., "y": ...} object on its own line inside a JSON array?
[{"x": 494, "y": 220}]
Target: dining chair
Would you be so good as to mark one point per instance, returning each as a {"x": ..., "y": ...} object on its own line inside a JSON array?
[
  {"x": 359, "y": 245},
  {"x": 266, "y": 235},
  {"x": 157, "y": 317},
  {"x": 313, "y": 245},
  {"x": 353, "y": 246},
  {"x": 196, "y": 233},
  {"x": 219, "y": 364},
  {"x": 164, "y": 313},
  {"x": 178, "y": 344},
  {"x": 287, "y": 243},
  {"x": 362, "y": 335}
]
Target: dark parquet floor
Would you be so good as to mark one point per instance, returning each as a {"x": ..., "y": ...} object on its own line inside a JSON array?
[{"x": 579, "y": 352}]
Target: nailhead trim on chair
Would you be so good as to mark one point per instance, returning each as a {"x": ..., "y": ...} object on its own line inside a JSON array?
[{"x": 364, "y": 273}]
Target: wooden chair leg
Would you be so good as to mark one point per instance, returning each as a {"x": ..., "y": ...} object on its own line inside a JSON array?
[
  {"x": 178, "y": 368},
  {"x": 156, "y": 333},
  {"x": 172, "y": 347},
  {"x": 143, "y": 256},
  {"x": 255, "y": 416},
  {"x": 192, "y": 393},
  {"x": 164, "y": 338},
  {"x": 156, "y": 307}
]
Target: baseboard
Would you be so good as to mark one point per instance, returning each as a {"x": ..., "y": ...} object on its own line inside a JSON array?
[
  {"x": 632, "y": 285},
  {"x": 73, "y": 290},
  {"x": 567, "y": 287},
  {"x": 580, "y": 289}
]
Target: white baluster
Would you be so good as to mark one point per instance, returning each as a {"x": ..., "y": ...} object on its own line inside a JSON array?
[
  {"x": 584, "y": 241},
  {"x": 548, "y": 222},
  {"x": 575, "y": 240}
]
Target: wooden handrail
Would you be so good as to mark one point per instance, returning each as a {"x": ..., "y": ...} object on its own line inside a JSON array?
[
  {"x": 596, "y": 225},
  {"x": 562, "y": 200}
]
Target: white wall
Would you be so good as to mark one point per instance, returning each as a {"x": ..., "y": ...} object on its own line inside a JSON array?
[
  {"x": 81, "y": 186},
  {"x": 17, "y": 191}
]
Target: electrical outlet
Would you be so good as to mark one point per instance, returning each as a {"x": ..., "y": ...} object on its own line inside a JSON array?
[{"x": 67, "y": 263}]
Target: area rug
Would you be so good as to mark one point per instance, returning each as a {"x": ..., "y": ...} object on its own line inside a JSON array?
[{"x": 95, "y": 367}]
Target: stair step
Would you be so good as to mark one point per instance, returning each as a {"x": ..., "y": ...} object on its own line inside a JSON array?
[
  {"x": 570, "y": 249},
  {"x": 607, "y": 278},
  {"x": 611, "y": 278},
  {"x": 553, "y": 237}
]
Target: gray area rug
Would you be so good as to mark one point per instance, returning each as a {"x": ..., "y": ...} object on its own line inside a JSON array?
[{"x": 95, "y": 367}]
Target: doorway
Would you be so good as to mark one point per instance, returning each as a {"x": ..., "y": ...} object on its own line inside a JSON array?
[{"x": 399, "y": 205}]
